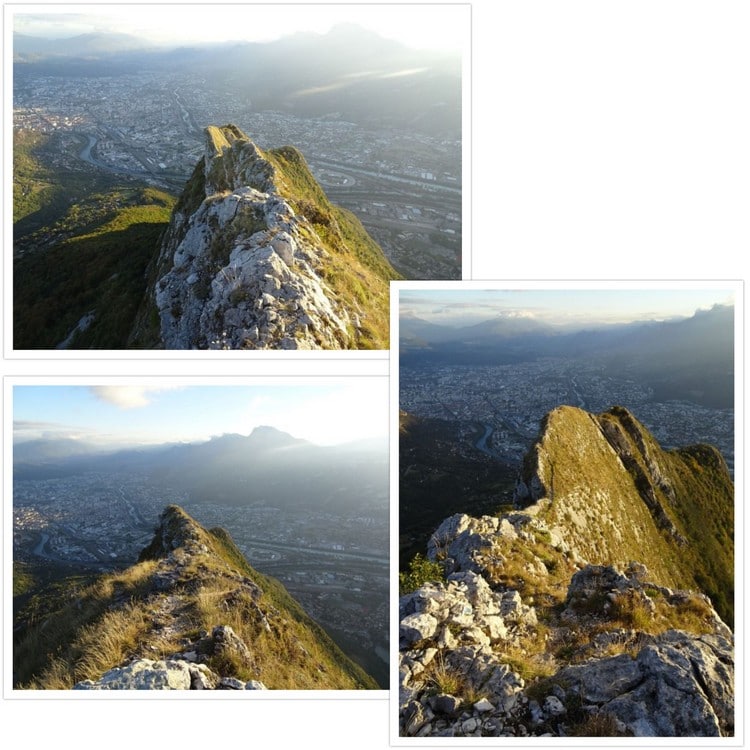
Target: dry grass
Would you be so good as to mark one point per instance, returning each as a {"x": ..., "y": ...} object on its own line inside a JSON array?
[
  {"x": 441, "y": 679},
  {"x": 39, "y": 657},
  {"x": 123, "y": 616},
  {"x": 600, "y": 724}
]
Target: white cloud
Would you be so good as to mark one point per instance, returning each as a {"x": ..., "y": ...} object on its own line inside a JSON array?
[{"x": 127, "y": 396}]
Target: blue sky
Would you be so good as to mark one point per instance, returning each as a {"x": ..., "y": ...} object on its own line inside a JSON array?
[
  {"x": 564, "y": 307},
  {"x": 432, "y": 26},
  {"x": 326, "y": 413}
]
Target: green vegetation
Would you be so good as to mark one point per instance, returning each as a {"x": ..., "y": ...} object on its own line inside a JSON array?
[
  {"x": 96, "y": 264},
  {"x": 538, "y": 571},
  {"x": 421, "y": 570},
  {"x": 671, "y": 510},
  {"x": 48, "y": 178},
  {"x": 356, "y": 269},
  {"x": 82, "y": 241},
  {"x": 49, "y": 653},
  {"x": 297, "y": 627},
  {"x": 32, "y": 185},
  {"x": 23, "y": 579}
]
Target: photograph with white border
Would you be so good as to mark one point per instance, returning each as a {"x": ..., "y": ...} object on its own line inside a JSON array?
[{"x": 563, "y": 510}]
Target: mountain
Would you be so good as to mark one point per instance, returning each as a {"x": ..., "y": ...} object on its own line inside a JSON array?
[
  {"x": 688, "y": 359},
  {"x": 414, "y": 330},
  {"x": 268, "y": 466},
  {"x": 347, "y": 73},
  {"x": 256, "y": 257},
  {"x": 600, "y": 606},
  {"x": 191, "y": 614},
  {"x": 91, "y": 46}
]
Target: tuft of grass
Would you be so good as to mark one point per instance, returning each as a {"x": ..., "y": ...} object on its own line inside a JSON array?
[
  {"x": 85, "y": 622},
  {"x": 599, "y": 724},
  {"x": 441, "y": 679}
]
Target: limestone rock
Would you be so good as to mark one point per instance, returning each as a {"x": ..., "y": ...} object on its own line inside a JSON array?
[
  {"x": 241, "y": 269},
  {"x": 145, "y": 674},
  {"x": 681, "y": 685}
]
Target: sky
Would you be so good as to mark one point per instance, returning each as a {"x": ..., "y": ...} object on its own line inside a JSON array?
[
  {"x": 564, "y": 307},
  {"x": 123, "y": 415},
  {"x": 417, "y": 26}
]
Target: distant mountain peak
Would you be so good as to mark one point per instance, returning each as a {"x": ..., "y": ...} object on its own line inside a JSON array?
[
  {"x": 255, "y": 257},
  {"x": 272, "y": 437}
]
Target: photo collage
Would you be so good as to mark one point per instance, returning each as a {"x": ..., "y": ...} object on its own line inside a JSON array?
[{"x": 370, "y": 373}]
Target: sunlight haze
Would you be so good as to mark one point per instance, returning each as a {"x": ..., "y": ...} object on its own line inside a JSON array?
[{"x": 438, "y": 27}]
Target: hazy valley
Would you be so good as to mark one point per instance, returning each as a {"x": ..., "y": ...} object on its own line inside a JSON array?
[
  {"x": 485, "y": 397},
  {"x": 379, "y": 125}
]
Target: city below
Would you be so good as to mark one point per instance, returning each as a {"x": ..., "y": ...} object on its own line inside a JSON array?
[
  {"x": 510, "y": 401},
  {"x": 405, "y": 186}
]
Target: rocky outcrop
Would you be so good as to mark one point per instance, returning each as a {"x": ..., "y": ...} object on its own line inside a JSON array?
[
  {"x": 240, "y": 268},
  {"x": 545, "y": 625},
  {"x": 678, "y": 685},
  {"x": 462, "y": 645},
  {"x": 170, "y": 674},
  {"x": 185, "y": 670}
]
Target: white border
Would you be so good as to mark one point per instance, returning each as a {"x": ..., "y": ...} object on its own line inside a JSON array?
[
  {"x": 377, "y": 381},
  {"x": 739, "y": 567}
]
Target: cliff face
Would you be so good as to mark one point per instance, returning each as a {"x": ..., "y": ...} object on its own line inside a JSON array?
[
  {"x": 255, "y": 257},
  {"x": 546, "y": 621},
  {"x": 191, "y": 614}
]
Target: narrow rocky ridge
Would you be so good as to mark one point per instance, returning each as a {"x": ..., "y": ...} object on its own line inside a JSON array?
[
  {"x": 541, "y": 626},
  {"x": 240, "y": 268},
  {"x": 192, "y": 614}
]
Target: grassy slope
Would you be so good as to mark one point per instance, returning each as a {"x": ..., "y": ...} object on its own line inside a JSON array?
[
  {"x": 595, "y": 501},
  {"x": 82, "y": 240},
  {"x": 99, "y": 266},
  {"x": 48, "y": 179},
  {"x": 301, "y": 624},
  {"x": 357, "y": 271},
  {"x": 82, "y": 629}
]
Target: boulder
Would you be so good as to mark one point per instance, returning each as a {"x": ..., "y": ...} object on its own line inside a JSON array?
[{"x": 145, "y": 674}]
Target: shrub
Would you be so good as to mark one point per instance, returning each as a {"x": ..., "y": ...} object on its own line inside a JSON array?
[{"x": 421, "y": 570}]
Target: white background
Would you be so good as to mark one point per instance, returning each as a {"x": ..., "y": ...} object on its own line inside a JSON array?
[{"x": 610, "y": 140}]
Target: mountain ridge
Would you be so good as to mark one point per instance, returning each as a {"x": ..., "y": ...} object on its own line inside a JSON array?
[
  {"x": 256, "y": 257},
  {"x": 190, "y": 614},
  {"x": 598, "y": 606}
]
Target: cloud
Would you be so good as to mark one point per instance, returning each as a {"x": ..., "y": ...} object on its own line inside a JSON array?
[
  {"x": 29, "y": 425},
  {"x": 25, "y": 430},
  {"x": 128, "y": 396}
]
